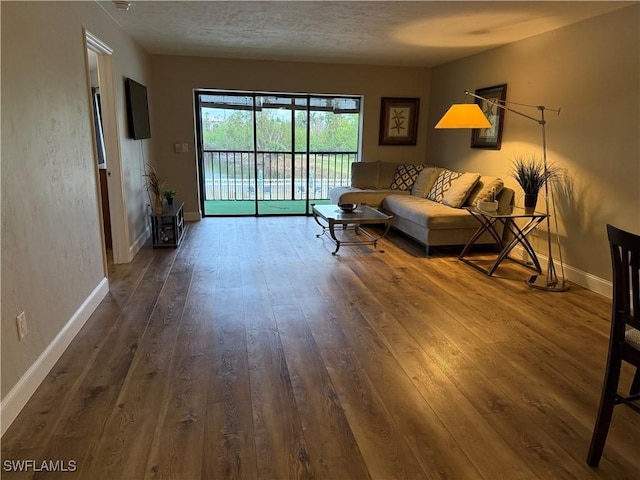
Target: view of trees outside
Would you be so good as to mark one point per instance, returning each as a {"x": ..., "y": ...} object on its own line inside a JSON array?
[{"x": 225, "y": 129}]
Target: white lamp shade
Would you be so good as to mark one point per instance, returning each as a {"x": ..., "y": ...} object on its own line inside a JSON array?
[{"x": 464, "y": 115}]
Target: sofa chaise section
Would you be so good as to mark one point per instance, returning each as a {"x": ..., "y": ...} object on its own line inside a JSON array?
[
  {"x": 427, "y": 203},
  {"x": 436, "y": 225}
]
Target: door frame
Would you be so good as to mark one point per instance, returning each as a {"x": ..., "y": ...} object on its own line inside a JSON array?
[{"x": 115, "y": 181}]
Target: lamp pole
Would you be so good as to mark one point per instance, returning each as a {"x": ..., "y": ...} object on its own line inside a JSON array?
[{"x": 551, "y": 281}]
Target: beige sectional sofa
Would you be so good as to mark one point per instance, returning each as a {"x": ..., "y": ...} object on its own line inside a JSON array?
[
  {"x": 370, "y": 184},
  {"x": 426, "y": 202}
]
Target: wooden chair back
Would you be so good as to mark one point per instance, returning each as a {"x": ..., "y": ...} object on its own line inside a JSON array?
[
  {"x": 625, "y": 313},
  {"x": 625, "y": 259}
]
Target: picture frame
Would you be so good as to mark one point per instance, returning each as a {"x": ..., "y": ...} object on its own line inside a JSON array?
[
  {"x": 398, "y": 121},
  {"x": 490, "y": 138}
]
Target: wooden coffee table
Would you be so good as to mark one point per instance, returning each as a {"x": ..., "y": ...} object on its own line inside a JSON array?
[{"x": 363, "y": 215}]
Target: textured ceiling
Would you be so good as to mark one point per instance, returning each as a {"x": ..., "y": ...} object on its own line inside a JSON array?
[{"x": 375, "y": 32}]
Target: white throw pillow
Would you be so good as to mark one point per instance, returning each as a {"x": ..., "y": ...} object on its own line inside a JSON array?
[{"x": 460, "y": 189}]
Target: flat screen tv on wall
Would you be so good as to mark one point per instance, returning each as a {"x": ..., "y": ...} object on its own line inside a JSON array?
[{"x": 137, "y": 110}]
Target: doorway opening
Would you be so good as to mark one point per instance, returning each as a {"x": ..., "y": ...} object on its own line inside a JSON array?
[{"x": 101, "y": 155}]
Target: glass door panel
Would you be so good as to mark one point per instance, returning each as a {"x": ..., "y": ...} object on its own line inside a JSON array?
[
  {"x": 227, "y": 154},
  {"x": 333, "y": 144},
  {"x": 276, "y": 160}
]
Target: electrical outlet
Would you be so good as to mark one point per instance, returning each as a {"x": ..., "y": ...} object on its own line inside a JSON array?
[
  {"x": 185, "y": 148},
  {"x": 21, "y": 322}
]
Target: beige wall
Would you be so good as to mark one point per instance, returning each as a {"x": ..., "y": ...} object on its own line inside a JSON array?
[
  {"x": 175, "y": 78},
  {"x": 590, "y": 70},
  {"x": 51, "y": 245}
]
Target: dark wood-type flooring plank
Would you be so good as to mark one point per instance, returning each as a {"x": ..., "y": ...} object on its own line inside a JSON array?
[{"x": 252, "y": 352}]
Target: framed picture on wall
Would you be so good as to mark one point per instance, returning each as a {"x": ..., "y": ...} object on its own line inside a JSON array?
[
  {"x": 490, "y": 138},
  {"x": 398, "y": 121}
]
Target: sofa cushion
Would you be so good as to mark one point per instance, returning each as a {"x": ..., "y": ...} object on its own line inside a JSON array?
[
  {"x": 483, "y": 188},
  {"x": 405, "y": 176},
  {"x": 442, "y": 184},
  {"x": 429, "y": 214},
  {"x": 372, "y": 197},
  {"x": 460, "y": 189},
  {"x": 424, "y": 182},
  {"x": 387, "y": 174},
  {"x": 365, "y": 174}
]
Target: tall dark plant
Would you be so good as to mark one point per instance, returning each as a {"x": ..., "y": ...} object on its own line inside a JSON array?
[
  {"x": 154, "y": 184},
  {"x": 529, "y": 173}
]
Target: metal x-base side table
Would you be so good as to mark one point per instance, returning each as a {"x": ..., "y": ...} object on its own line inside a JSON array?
[{"x": 507, "y": 219}]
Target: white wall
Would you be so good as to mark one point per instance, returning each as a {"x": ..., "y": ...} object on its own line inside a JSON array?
[
  {"x": 51, "y": 246},
  {"x": 592, "y": 71},
  {"x": 175, "y": 78}
]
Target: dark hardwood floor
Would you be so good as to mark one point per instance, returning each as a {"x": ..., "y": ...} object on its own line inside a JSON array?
[{"x": 252, "y": 352}]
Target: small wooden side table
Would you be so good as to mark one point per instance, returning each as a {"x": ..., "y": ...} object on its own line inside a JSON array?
[
  {"x": 488, "y": 219},
  {"x": 167, "y": 228}
]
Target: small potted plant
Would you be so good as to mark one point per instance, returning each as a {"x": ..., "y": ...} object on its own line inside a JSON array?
[
  {"x": 169, "y": 195},
  {"x": 154, "y": 184},
  {"x": 530, "y": 174}
]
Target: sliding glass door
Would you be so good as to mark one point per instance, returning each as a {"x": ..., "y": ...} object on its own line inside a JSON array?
[
  {"x": 273, "y": 154},
  {"x": 276, "y": 158}
]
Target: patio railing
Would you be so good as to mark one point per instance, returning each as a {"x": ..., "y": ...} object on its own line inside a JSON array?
[{"x": 232, "y": 175}]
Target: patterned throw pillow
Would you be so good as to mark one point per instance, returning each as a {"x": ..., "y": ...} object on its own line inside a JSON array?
[
  {"x": 443, "y": 183},
  {"x": 405, "y": 176}
]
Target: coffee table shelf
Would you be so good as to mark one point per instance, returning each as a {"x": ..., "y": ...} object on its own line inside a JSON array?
[{"x": 363, "y": 215}]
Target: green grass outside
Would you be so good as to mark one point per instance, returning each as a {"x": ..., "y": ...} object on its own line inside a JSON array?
[{"x": 265, "y": 207}]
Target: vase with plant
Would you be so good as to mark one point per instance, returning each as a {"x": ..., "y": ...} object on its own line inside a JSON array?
[
  {"x": 155, "y": 186},
  {"x": 531, "y": 175},
  {"x": 169, "y": 194}
]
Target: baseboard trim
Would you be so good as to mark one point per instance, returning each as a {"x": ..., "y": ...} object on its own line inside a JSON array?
[
  {"x": 192, "y": 216},
  {"x": 139, "y": 243},
  {"x": 572, "y": 274},
  {"x": 20, "y": 394}
]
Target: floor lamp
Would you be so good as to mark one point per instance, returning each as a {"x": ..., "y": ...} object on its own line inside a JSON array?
[{"x": 469, "y": 115}]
